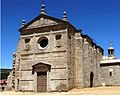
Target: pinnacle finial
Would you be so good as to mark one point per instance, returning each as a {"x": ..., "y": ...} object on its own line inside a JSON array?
[
  {"x": 43, "y": 8},
  {"x": 110, "y": 44},
  {"x": 23, "y": 23},
  {"x": 65, "y": 16}
]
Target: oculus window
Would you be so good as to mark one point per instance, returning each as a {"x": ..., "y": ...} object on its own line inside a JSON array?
[{"x": 43, "y": 42}]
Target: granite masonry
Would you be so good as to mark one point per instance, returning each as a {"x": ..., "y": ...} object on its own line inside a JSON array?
[
  {"x": 52, "y": 55},
  {"x": 110, "y": 69}
]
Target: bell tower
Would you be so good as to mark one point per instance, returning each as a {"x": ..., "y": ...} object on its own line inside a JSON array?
[{"x": 110, "y": 50}]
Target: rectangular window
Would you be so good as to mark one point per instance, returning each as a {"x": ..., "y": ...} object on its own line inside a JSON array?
[{"x": 110, "y": 73}]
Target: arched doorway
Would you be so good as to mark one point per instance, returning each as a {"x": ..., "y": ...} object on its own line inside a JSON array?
[
  {"x": 91, "y": 79},
  {"x": 41, "y": 70}
]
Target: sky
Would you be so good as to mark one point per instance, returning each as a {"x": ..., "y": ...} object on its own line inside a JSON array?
[{"x": 100, "y": 19}]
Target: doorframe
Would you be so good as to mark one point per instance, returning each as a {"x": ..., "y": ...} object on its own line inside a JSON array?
[{"x": 34, "y": 72}]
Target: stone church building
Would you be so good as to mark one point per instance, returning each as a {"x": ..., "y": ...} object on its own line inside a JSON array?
[{"x": 52, "y": 55}]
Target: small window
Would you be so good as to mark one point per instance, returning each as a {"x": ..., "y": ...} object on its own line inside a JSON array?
[
  {"x": 58, "y": 37},
  {"x": 43, "y": 42},
  {"x": 27, "y": 40},
  {"x": 110, "y": 73}
]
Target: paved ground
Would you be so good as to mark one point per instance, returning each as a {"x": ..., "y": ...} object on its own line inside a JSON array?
[{"x": 85, "y": 91}]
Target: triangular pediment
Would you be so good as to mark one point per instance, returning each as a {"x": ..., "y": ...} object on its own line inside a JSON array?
[
  {"x": 41, "y": 67},
  {"x": 42, "y": 21}
]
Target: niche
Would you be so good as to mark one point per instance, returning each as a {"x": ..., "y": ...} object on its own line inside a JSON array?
[
  {"x": 58, "y": 40},
  {"x": 27, "y": 41},
  {"x": 58, "y": 36}
]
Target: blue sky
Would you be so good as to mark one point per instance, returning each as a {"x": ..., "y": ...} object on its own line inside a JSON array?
[{"x": 100, "y": 19}]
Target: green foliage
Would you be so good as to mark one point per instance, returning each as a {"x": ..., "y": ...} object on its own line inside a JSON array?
[{"x": 4, "y": 73}]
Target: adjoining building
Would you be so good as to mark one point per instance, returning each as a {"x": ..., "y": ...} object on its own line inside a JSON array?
[
  {"x": 110, "y": 69},
  {"x": 52, "y": 55},
  {"x": 3, "y": 77}
]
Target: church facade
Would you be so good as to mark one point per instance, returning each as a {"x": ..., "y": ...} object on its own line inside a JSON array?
[{"x": 52, "y": 55}]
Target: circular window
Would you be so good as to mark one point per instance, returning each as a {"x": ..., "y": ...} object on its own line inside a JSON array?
[{"x": 43, "y": 42}]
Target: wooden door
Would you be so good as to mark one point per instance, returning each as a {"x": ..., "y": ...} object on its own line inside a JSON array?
[{"x": 42, "y": 81}]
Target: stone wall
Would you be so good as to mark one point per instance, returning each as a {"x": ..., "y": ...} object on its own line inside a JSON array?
[
  {"x": 53, "y": 55},
  {"x": 87, "y": 62},
  {"x": 106, "y": 79}
]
